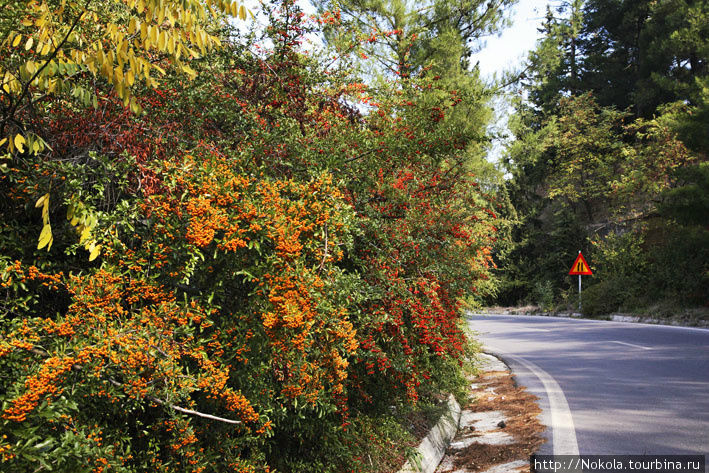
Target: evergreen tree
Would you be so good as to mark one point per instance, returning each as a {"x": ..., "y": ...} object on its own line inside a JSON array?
[
  {"x": 642, "y": 54},
  {"x": 609, "y": 130}
]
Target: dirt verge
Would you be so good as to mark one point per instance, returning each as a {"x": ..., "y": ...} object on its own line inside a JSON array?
[{"x": 477, "y": 451}]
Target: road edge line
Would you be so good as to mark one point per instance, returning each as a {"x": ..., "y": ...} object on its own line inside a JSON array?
[{"x": 562, "y": 423}]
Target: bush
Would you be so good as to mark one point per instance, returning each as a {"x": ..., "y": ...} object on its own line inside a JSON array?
[
  {"x": 543, "y": 295},
  {"x": 620, "y": 266},
  {"x": 258, "y": 290},
  {"x": 679, "y": 265},
  {"x": 601, "y": 298}
]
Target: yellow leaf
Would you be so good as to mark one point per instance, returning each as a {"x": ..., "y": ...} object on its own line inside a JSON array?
[
  {"x": 118, "y": 74},
  {"x": 19, "y": 143},
  {"x": 2, "y": 142},
  {"x": 143, "y": 31},
  {"x": 135, "y": 107},
  {"x": 41, "y": 200},
  {"x": 107, "y": 72},
  {"x": 193, "y": 53},
  {"x": 203, "y": 38},
  {"x": 17, "y": 40},
  {"x": 187, "y": 69},
  {"x": 242, "y": 12},
  {"x": 29, "y": 43},
  {"x": 95, "y": 252},
  {"x": 45, "y": 237},
  {"x": 85, "y": 233},
  {"x": 74, "y": 220}
]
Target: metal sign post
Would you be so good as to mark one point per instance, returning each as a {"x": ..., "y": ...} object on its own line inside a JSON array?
[{"x": 580, "y": 267}]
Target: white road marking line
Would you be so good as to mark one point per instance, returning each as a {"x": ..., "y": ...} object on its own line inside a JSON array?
[
  {"x": 562, "y": 424},
  {"x": 631, "y": 345}
]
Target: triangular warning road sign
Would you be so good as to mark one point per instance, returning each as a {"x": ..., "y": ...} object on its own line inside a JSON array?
[{"x": 580, "y": 266}]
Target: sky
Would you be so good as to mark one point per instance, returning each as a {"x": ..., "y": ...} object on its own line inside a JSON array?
[
  {"x": 506, "y": 53},
  {"x": 508, "y": 50}
]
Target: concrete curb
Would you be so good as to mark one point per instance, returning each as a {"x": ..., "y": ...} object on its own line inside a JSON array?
[
  {"x": 651, "y": 321},
  {"x": 433, "y": 447},
  {"x": 612, "y": 318}
]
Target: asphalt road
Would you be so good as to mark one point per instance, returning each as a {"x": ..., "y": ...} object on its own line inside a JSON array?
[{"x": 627, "y": 388}]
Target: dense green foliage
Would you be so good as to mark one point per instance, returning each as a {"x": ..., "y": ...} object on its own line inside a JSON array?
[
  {"x": 254, "y": 261},
  {"x": 610, "y": 156}
]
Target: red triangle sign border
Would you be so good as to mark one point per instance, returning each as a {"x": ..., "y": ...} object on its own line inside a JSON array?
[{"x": 580, "y": 267}]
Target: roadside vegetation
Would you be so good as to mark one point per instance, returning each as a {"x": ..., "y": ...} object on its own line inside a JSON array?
[
  {"x": 609, "y": 157},
  {"x": 229, "y": 251}
]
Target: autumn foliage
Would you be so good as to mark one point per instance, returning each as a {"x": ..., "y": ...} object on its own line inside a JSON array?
[{"x": 278, "y": 254}]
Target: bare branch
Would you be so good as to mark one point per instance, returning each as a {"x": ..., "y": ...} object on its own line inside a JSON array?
[
  {"x": 325, "y": 252},
  {"x": 197, "y": 413}
]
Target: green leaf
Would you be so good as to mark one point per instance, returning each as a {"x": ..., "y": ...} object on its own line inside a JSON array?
[{"x": 44, "y": 446}]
